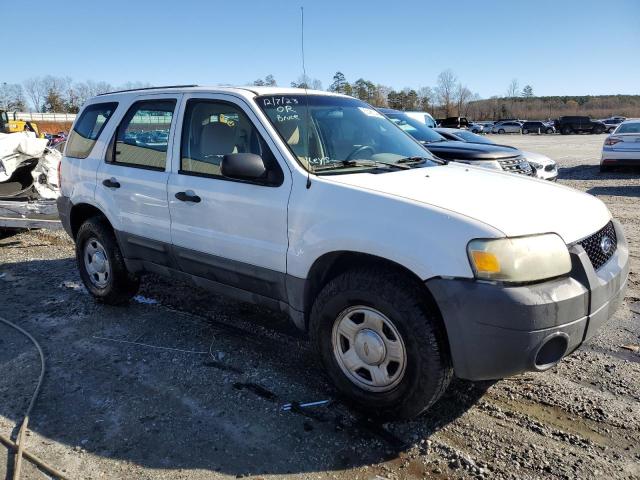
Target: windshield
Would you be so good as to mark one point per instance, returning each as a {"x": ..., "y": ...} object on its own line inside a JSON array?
[
  {"x": 471, "y": 137},
  {"x": 415, "y": 128},
  {"x": 629, "y": 128},
  {"x": 334, "y": 132}
]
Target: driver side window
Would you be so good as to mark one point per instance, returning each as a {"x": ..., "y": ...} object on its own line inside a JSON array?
[{"x": 213, "y": 129}]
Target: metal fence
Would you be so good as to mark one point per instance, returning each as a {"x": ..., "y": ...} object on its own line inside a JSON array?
[{"x": 42, "y": 117}]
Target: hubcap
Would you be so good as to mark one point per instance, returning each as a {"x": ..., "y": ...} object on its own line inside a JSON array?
[
  {"x": 97, "y": 263},
  {"x": 369, "y": 349}
]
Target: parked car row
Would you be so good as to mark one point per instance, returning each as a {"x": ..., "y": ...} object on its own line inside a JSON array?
[
  {"x": 565, "y": 125},
  {"x": 467, "y": 147}
]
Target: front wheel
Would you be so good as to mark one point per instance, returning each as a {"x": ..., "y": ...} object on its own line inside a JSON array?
[
  {"x": 549, "y": 131},
  {"x": 381, "y": 342},
  {"x": 101, "y": 265},
  {"x": 525, "y": 131},
  {"x": 501, "y": 131},
  {"x": 566, "y": 130}
]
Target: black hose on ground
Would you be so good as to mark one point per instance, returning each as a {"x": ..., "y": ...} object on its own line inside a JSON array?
[{"x": 18, "y": 446}]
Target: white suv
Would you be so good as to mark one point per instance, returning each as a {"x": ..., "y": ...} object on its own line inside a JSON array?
[{"x": 404, "y": 269}]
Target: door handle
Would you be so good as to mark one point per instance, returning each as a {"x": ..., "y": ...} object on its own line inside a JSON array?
[
  {"x": 188, "y": 197},
  {"x": 111, "y": 183}
]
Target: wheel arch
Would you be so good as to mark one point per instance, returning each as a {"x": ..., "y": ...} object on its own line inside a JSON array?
[
  {"x": 81, "y": 213},
  {"x": 332, "y": 264}
]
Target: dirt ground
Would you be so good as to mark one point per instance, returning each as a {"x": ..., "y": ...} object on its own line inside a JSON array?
[{"x": 184, "y": 384}]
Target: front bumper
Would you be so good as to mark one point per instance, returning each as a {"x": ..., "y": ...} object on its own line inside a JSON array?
[
  {"x": 495, "y": 331},
  {"x": 29, "y": 214}
]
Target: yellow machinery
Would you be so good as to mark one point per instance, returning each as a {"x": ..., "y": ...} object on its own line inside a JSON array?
[{"x": 12, "y": 126}]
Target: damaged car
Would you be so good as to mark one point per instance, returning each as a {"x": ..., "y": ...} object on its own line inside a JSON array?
[{"x": 28, "y": 182}]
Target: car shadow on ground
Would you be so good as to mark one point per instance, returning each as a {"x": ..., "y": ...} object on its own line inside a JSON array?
[
  {"x": 186, "y": 385},
  {"x": 616, "y": 191},
  {"x": 592, "y": 172}
]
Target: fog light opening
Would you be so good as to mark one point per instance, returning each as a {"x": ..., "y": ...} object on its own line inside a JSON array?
[{"x": 551, "y": 351}]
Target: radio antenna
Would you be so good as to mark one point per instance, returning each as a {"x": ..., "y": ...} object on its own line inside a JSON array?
[{"x": 306, "y": 99}]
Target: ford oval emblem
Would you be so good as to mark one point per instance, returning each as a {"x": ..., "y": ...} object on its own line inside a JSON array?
[{"x": 606, "y": 244}]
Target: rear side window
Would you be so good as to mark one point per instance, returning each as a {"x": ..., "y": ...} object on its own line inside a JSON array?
[
  {"x": 87, "y": 129},
  {"x": 143, "y": 135}
]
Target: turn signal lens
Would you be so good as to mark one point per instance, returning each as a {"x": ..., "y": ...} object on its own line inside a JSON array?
[{"x": 485, "y": 262}]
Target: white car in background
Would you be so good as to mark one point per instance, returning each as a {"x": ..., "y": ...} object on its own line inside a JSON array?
[
  {"x": 622, "y": 147},
  {"x": 476, "y": 128},
  {"x": 423, "y": 117},
  {"x": 544, "y": 167}
]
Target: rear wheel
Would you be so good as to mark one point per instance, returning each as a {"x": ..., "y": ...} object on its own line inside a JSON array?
[
  {"x": 101, "y": 264},
  {"x": 525, "y": 131},
  {"x": 501, "y": 131},
  {"x": 381, "y": 342},
  {"x": 549, "y": 131},
  {"x": 566, "y": 130},
  {"x": 598, "y": 130}
]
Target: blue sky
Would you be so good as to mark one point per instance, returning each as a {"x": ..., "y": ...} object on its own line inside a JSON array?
[{"x": 559, "y": 47}]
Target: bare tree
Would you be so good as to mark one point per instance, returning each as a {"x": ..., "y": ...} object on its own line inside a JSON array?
[
  {"x": 426, "y": 98},
  {"x": 462, "y": 97},
  {"x": 12, "y": 97},
  {"x": 36, "y": 91},
  {"x": 513, "y": 90},
  {"x": 305, "y": 81},
  {"x": 445, "y": 90}
]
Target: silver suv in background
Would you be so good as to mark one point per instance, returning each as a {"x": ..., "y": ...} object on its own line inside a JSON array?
[{"x": 507, "y": 127}]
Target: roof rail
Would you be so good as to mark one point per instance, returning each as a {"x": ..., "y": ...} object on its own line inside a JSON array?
[{"x": 146, "y": 88}]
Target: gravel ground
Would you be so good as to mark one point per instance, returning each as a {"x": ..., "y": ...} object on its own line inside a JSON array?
[{"x": 185, "y": 384}]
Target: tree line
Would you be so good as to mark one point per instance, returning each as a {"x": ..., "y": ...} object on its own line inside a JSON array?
[
  {"x": 448, "y": 97},
  {"x": 54, "y": 94}
]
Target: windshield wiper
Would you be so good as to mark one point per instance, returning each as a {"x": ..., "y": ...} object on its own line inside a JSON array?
[
  {"x": 420, "y": 160},
  {"x": 359, "y": 163}
]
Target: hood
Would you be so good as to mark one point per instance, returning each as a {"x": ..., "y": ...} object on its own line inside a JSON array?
[
  {"x": 470, "y": 151},
  {"x": 514, "y": 204}
]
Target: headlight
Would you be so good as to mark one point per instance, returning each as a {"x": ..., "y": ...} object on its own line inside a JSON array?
[
  {"x": 520, "y": 259},
  {"x": 490, "y": 164},
  {"x": 535, "y": 165}
]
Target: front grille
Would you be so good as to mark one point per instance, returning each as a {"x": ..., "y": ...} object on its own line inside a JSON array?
[
  {"x": 516, "y": 165},
  {"x": 593, "y": 245}
]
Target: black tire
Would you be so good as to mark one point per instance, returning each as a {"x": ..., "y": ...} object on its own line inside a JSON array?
[
  {"x": 567, "y": 130},
  {"x": 525, "y": 131},
  {"x": 501, "y": 131},
  {"x": 598, "y": 130},
  {"x": 611, "y": 130},
  {"x": 549, "y": 131},
  {"x": 428, "y": 368},
  {"x": 121, "y": 285}
]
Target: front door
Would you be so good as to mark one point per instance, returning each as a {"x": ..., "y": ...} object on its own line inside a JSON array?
[{"x": 228, "y": 231}]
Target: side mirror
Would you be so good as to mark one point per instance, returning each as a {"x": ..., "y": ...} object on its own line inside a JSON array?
[{"x": 243, "y": 166}]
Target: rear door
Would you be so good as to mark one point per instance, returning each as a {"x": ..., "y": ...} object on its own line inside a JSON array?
[
  {"x": 228, "y": 231},
  {"x": 132, "y": 179}
]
